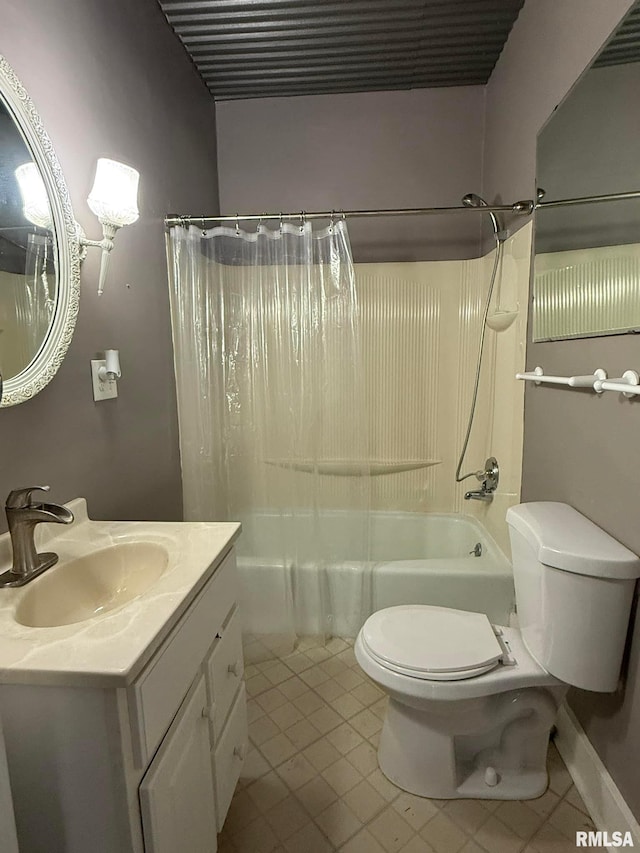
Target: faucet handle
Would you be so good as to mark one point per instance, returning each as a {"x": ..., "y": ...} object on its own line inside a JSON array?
[{"x": 21, "y": 498}]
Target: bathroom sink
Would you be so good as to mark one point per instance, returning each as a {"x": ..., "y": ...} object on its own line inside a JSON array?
[{"x": 92, "y": 585}]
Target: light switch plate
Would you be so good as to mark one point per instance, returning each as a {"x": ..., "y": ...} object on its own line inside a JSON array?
[{"x": 103, "y": 389}]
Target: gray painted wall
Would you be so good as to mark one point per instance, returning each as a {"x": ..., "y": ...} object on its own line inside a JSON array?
[
  {"x": 111, "y": 79},
  {"x": 421, "y": 148},
  {"x": 578, "y": 447}
]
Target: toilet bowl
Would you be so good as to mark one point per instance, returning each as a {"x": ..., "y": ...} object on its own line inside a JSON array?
[
  {"x": 471, "y": 704},
  {"x": 479, "y": 729}
]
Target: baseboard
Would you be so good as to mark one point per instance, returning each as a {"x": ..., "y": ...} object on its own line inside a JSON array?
[{"x": 600, "y": 793}]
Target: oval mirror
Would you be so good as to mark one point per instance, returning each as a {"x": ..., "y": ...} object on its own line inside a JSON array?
[{"x": 39, "y": 249}]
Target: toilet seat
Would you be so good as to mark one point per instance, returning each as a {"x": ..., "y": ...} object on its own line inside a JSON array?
[{"x": 432, "y": 643}]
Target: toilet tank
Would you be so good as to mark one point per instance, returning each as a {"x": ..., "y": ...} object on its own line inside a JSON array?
[{"x": 574, "y": 587}]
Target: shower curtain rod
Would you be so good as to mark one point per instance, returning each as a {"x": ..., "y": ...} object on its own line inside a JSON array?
[
  {"x": 522, "y": 207},
  {"x": 589, "y": 199}
]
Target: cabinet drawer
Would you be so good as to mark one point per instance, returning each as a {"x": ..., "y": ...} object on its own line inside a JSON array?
[
  {"x": 225, "y": 668},
  {"x": 155, "y": 697},
  {"x": 229, "y": 756}
]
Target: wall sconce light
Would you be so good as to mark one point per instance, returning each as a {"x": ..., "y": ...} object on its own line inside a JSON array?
[
  {"x": 110, "y": 370},
  {"x": 113, "y": 199},
  {"x": 104, "y": 375}
]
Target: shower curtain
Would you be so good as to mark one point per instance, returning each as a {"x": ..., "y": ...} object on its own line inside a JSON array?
[{"x": 272, "y": 412}]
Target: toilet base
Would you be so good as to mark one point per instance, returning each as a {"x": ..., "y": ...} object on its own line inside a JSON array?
[{"x": 493, "y": 748}]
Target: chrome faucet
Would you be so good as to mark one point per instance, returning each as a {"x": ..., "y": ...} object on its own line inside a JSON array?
[
  {"x": 22, "y": 515},
  {"x": 481, "y": 494},
  {"x": 489, "y": 478}
]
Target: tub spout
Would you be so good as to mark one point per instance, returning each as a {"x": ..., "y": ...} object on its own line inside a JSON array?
[{"x": 479, "y": 495}]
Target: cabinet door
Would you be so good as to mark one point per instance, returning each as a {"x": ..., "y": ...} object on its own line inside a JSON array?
[{"x": 176, "y": 794}]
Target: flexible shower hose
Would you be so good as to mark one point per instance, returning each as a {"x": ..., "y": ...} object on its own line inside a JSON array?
[{"x": 483, "y": 330}]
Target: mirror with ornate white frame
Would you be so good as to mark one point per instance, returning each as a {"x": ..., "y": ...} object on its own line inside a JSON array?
[{"x": 39, "y": 250}]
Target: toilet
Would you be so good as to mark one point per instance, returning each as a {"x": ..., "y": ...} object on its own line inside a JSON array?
[{"x": 471, "y": 704}]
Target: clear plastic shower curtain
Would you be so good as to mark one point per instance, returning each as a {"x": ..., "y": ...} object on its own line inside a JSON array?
[{"x": 272, "y": 414}]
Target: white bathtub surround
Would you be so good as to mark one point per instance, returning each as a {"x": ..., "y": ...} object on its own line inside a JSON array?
[
  {"x": 413, "y": 558},
  {"x": 420, "y": 326}
]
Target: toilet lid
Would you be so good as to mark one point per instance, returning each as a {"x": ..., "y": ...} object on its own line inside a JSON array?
[{"x": 432, "y": 642}]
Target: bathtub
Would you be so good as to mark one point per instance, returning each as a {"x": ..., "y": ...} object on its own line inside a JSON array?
[{"x": 414, "y": 558}]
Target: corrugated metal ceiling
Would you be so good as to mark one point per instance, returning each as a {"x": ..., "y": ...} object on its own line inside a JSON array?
[{"x": 257, "y": 48}]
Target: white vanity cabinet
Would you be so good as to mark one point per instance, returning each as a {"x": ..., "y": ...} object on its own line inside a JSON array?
[
  {"x": 145, "y": 768},
  {"x": 200, "y": 758}
]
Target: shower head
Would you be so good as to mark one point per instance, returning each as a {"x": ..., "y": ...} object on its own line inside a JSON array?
[{"x": 473, "y": 200}]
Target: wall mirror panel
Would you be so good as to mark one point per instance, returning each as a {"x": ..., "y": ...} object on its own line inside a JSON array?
[
  {"x": 39, "y": 250},
  {"x": 587, "y": 256}
]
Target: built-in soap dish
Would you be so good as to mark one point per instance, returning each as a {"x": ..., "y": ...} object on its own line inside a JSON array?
[{"x": 501, "y": 320}]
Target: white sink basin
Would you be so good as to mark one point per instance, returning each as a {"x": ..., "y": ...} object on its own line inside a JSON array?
[{"x": 91, "y": 585}]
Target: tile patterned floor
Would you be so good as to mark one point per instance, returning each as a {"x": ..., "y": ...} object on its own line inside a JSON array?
[{"x": 311, "y": 782}]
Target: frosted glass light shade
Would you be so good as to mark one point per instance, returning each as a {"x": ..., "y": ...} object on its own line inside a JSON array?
[
  {"x": 35, "y": 202},
  {"x": 114, "y": 196}
]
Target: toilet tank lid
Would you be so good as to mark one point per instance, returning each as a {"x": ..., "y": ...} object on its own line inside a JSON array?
[{"x": 565, "y": 539}]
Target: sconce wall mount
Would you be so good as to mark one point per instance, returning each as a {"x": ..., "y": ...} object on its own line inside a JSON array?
[
  {"x": 106, "y": 244},
  {"x": 113, "y": 199},
  {"x": 104, "y": 375}
]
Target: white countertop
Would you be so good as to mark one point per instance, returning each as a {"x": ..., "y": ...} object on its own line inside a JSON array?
[{"x": 111, "y": 649}]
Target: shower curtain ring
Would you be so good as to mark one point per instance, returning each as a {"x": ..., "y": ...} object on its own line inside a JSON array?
[
  {"x": 204, "y": 230},
  {"x": 281, "y": 223},
  {"x": 237, "y": 226},
  {"x": 332, "y": 221},
  {"x": 259, "y": 224},
  {"x": 303, "y": 220}
]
